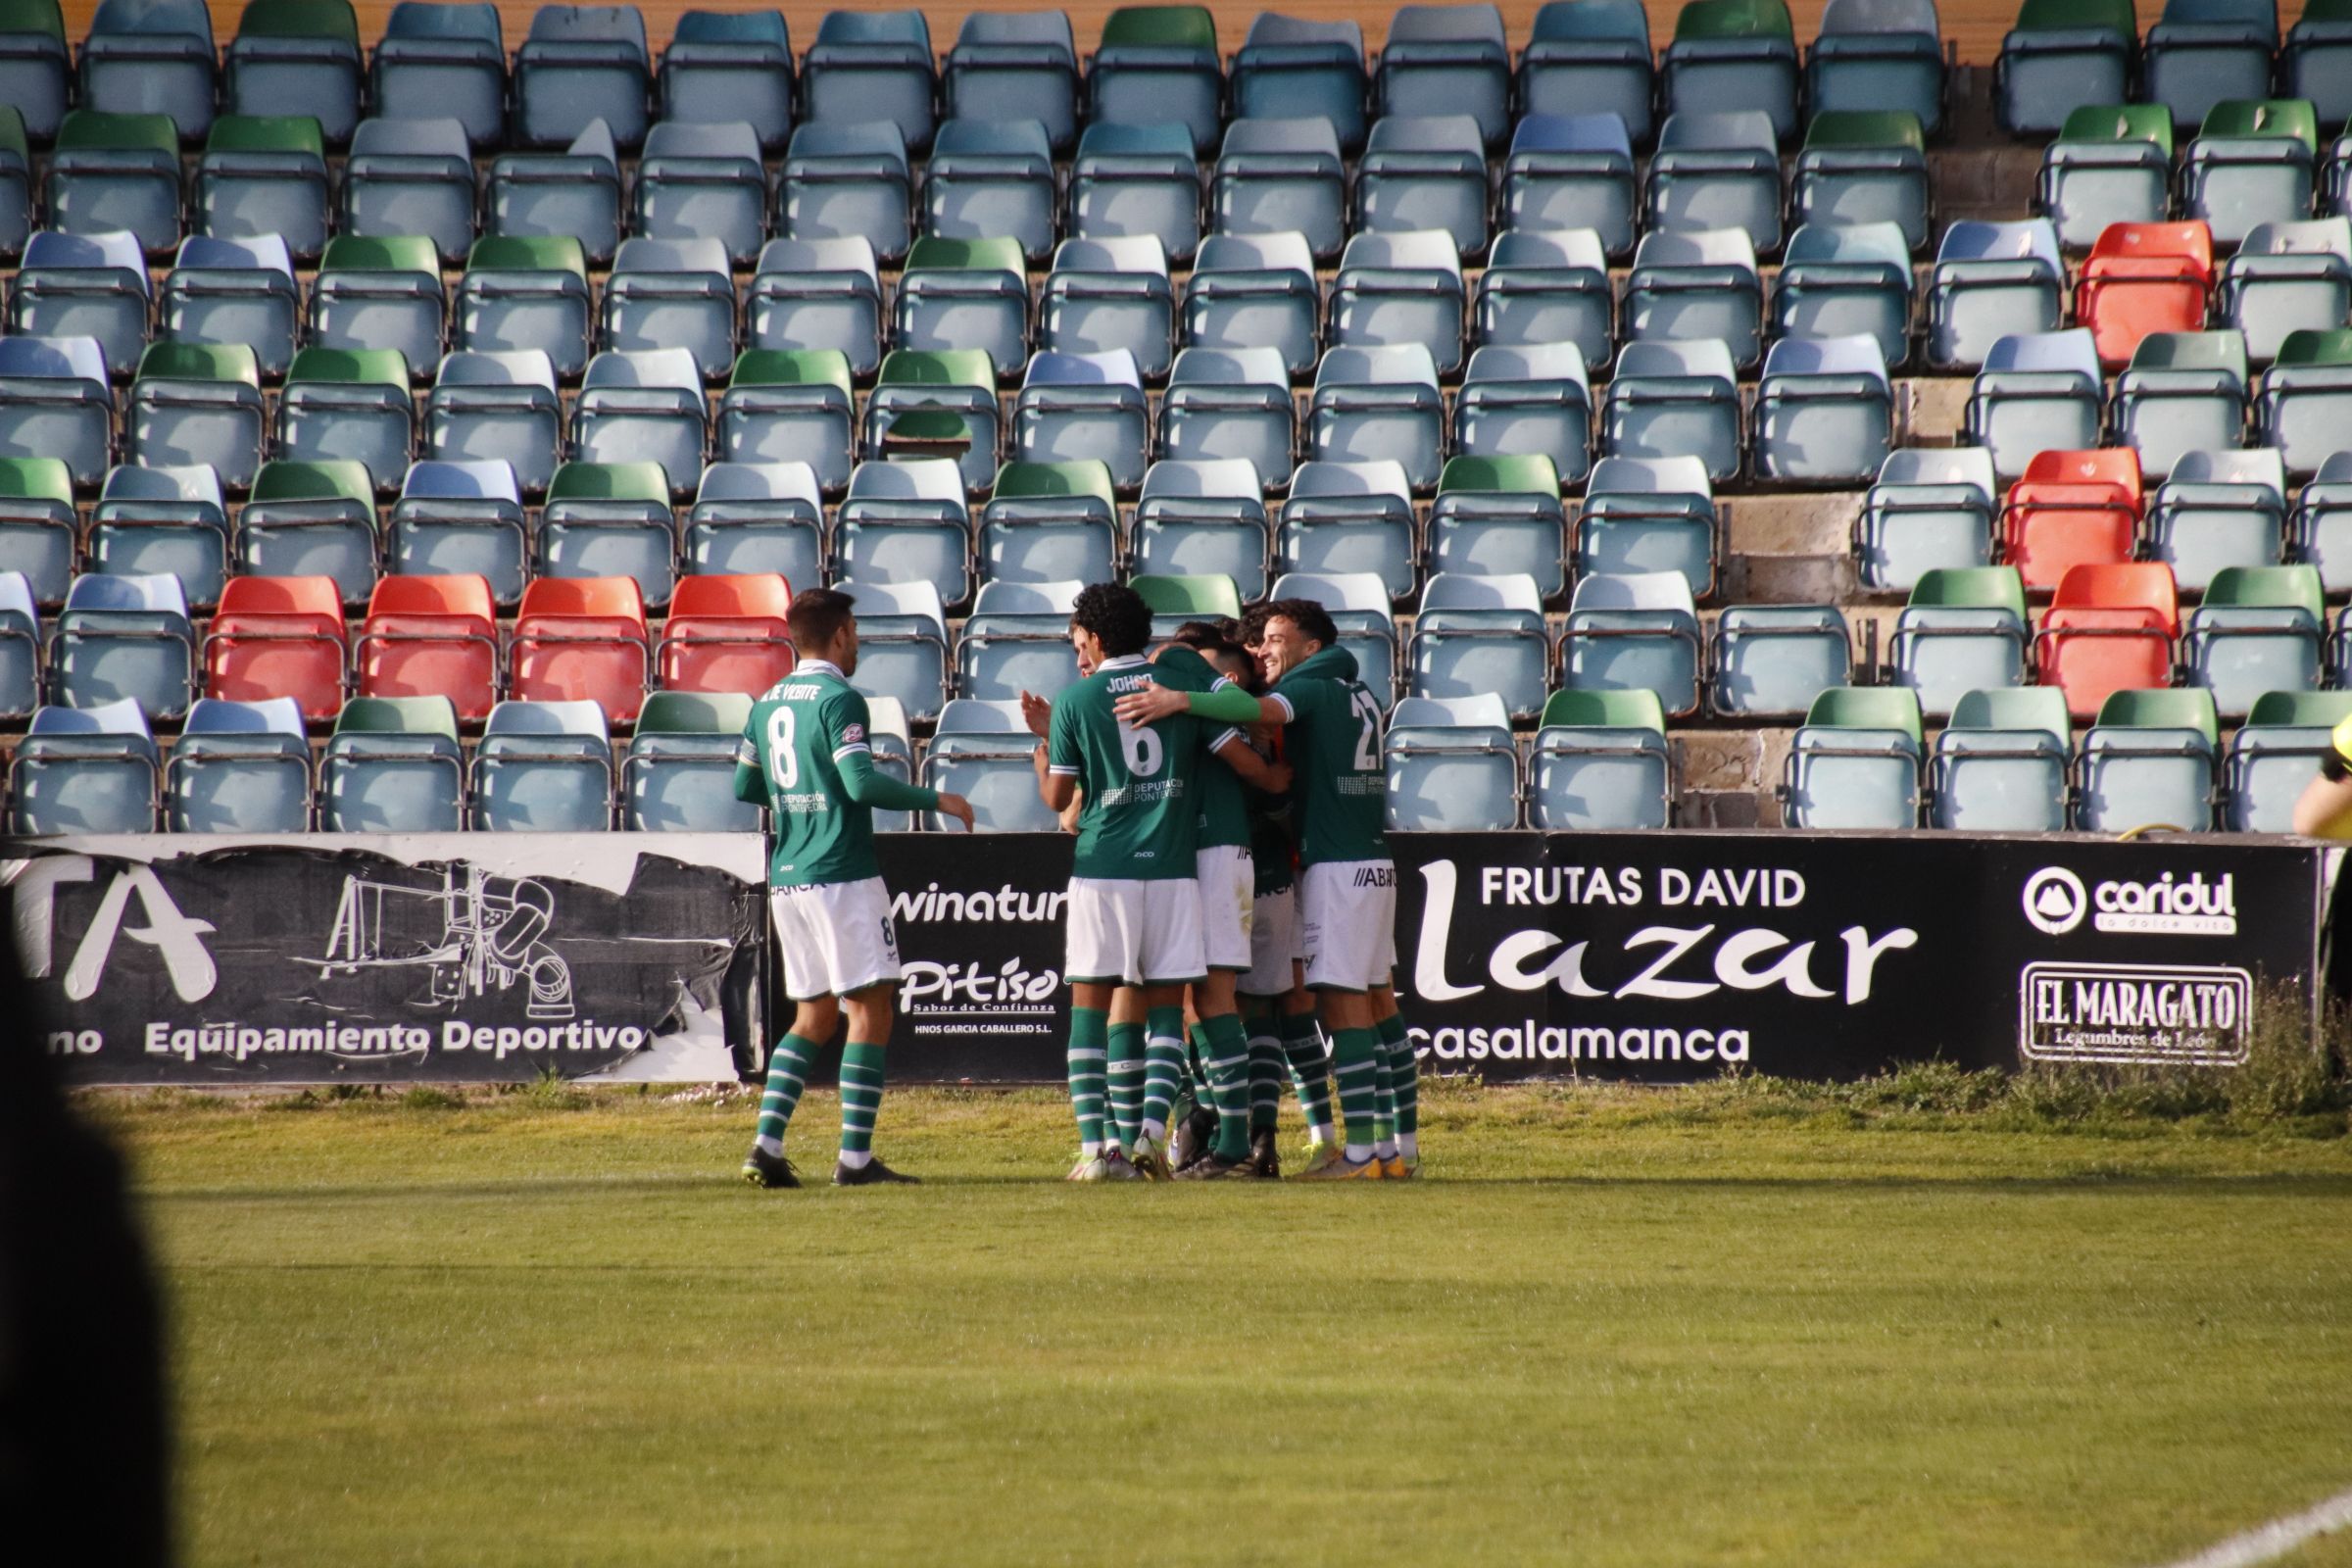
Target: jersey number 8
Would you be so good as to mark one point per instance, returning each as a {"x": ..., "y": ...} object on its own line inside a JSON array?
[{"x": 783, "y": 763}]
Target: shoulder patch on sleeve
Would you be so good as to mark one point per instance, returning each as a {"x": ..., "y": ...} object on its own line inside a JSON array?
[{"x": 852, "y": 734}]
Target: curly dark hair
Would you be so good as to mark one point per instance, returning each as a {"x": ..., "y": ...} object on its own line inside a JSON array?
[
  {"x": 816, "y": 615},
  {"x": 1118, "y": 616},
  {"x": 1311, "y": 620}
]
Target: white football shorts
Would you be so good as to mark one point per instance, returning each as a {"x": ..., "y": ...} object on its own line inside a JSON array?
[
  {"x": 1273, "y": 944},
  {"x": 1228, "y": 881},
  {"x": 837, "y": 937},
  {"x": 1134, "y": 931},
  {"x": 1347, "y": 922}
]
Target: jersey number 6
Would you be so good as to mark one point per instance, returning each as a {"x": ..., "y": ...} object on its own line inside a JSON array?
[{"x": 1143, "y": 748}]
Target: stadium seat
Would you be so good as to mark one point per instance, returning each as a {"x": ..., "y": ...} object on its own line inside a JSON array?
[
  {"x": 960, "y": 383},
  {"x": 124, "y": 639},
  {"x": 609, "y": 519},
  {"x": 1381, "y": 402},
  {"x": 152, "y": 57},
  {"x": 1295, "y": 65},
  {"x": 1545, "y": 289},
  {"x": 1499, "y": 516},
  {"x": 279, "y": 637},
  {"x": 457, "y": 519},
  {"x": 1865, "y": 167},
  {"x": 905, "y": 522},
  {"x": 1600, "y": 763},
  {"x": 1400, "y": 288},
  {"x": 443, "y": 58},
  {"x": 580, "y": 65},
  {"x": 2218, "y": 510},
  {"x": 1047, "y": 523},
  {"x": 38, "y": 526},
  {"x": 582, "y": 638},
  {"x": 1225, "y": 404},
  {"x": 20, "y": 648},
  {"x": 1856, "y": 762},
  {"x": 543, "y": 767},
  {"x": 2318, "y": 527},
  {"x": 2070, "y": 509},
  {"x": 1964, "y": 630},
  {"x": 1017, "y": 640},
  {"x": 2306, "y": 398},
  {"x": 263, "y": 174},
  {"x": 1447, "y": 59},
  {"x": 522, "y": 294},
  {"x": 1076, "y": 408},
  {"x": 678, "y": 775},
  {"x": 197, "y": 403},
  {"x": 872, "y": 66},
  {"x": 1137, "y": 181},
  {"x": 2205, "y": 52},
  {"x": 2037, "y": 391},
  {"x": 380, "y": 294},
  {"x": 1424, "y": 174},
  {"x": 1734, "y": 56},
  {"x": 901, "y": 645},
  {"x": 2109, "y": 628},
  {"x": 1247, "y": 292},
  {"x": 755, "y": 516},
  {"x": 1158, "y": 65},
  {"x": 1879, "y": 54},
  {"x": 84, "y": 285},
  {"x": 1526, "y": 402},
  {"x": 233, "y": 291},
  {"x": 1358, "y": 606},
  {"x": 573, "y": 194},
  {"x": 1281, "y": 177},
  {"x": 817, "y": 294},
  {"x": 1839, "y": 279},
  {"x": 410, "y": 177},
  {"x": 2000, "y": 766},
  {"x": 1990, "y": 282},
  {"x": 84, "y": 770},
  {"x": 1349, "y": 517},
  {"x": 1649, "y": 514},
  {"x": 55, "y": 403},
  {"x": 1773, "y": 660},
  {"x": 2142, "y": 279},
  {"x": 35, "y": 69},
  {"x": 1825, "y": 411},
  {"x": 1633, "y": 632},
  {"x": 393, "y": 766},
  {"x": 349, "y": 403},
  {"x": 1697, "y": 286},
  {"x": 497, "y": 407},
  {"x": 239, "y": 768},
  {"x": 2060, "y": 54},
  {"x": 1716, "y": 170},
  {"x": 1111, "y": 294},
  {"x": 2258, "y": 631},
  {"x": 644, "y": 406},
  {"x": 1202, "y": 518},
  {"x": 1451, "y": 766},
  {"x": 167, "y": 520},
  {"x": 113, "y": 172},
  {"x": 2316, "y": 63},
  {"x": 2183, "y": 392},
  {"x": 993, "y": 770},
  {"x": 699, "y": 180},
  {"x": 965, "y": 294},
  {"x": 790, "y": 406},
  {"x": 1591, "y": 56},
  {"x": 1480, "y": 637},
  {"x": 1017, "y": 66},
  {"x": 671, "y": 294},
  {"x": 2283, "y": 276},
  {"x": 2275, "y": 755},
  {"x": 1674, "y": 400},
  {"x": 848, "y": 182},
  {"x": 2148, "y": 761},
  {"x": 1571, "y": 172},
  {"x": 991, "y": 177},
  {"x": 726, "y": 68},
  {"x": 2254, "y": 162},
  {"x": 310, "y": 519},
  {"x": 2112, "y": 164},
  {"x": 430, "y": 636},
  {"x": 1197, "y": 597}
]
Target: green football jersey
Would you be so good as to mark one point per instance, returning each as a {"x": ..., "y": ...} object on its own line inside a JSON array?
[
  {"x": 797, "y": 736},
  {"x": 1141, "y": 819},
  {"x": 1224, "y": 810},
  {"x": 1339, "y": 787}
]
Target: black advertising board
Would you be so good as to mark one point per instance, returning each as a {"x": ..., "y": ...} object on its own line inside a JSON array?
[{"x": 223, "y": 960}]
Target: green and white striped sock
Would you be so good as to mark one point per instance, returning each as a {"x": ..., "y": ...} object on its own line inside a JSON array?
[
  {"x": 861, "y": 1101},
  {"x": 787, "y": 1075},
  {"x": 1126, "y": 1083},
  {"x": 1266, "y": 1074},
  {"x": 1164, "y": 1066},
  {"x": 1089, "y": 1069},
  {"x": 1311, "y": 1072},
  {"x": 1384, "y": 1115},
  {"x": 1404, "y": 1082},
  {"x": 1229, "y": 1083},
  {"x": 1355, "y": 1073}
]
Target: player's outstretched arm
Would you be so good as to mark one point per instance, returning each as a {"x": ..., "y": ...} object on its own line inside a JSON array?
[
  {"x": 867, "y": 785},
  {"x": 1228, "y": 704},
  {"x": 1272, "y": 777}
]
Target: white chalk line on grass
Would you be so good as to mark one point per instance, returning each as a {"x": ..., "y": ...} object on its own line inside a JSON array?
[{"x": 2269, "y": 1541}]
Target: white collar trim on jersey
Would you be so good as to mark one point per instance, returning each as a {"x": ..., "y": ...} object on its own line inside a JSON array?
[
  {"x": 822, "y": 666},
  {"x": 1123, "y": 661}
]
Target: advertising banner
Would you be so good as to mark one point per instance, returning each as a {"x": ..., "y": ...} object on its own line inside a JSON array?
[{"x": 246, "y": 961}]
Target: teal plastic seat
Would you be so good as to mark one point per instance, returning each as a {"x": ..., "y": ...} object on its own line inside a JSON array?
[
  {"x": 901, "y": 645},
  {"x": 564, "y": 191},
  {"x": 2183, "y": 392},
  {"x": 1637, "y": 632},
  {"x": 1879, "y": 54},
  {"x": 2285, "y": 276},
  {"x": 2203, "y": 53},
  {"x": 162, "y": 521},
  {"x": 1396, "y": 288},
  {"x": 1449, "y": 59},
  {"x": 1423, "y": 174},
  {"x": 111, "y": 172},
  {"x": 2038, "y": 392},
  {"x": 1693, "y": 286},
  {"x": 543, "y": 767},
  {"x": 1571, "y": 172},
  {"x": 443, "y": 58},
  {"x": 152, "y": 57},
  {"x": 1292, "y": 66},
  {"x": 1839, "y": 279},
  {"x": 959, "y": 385},
  {"x": 1772, "y": 660},
  {"x": 849, "y": 181},
  {"x": 125, "y": 639},
  {"x": 2316, "y": 63},
  {"x": 1279, "y": 176},
  {"x": 1137, "y": 180},
  {"x": 965, "y": 294},
  {"x": 727, "y": 68},
  {"x": 2305, "y": 398},
  {"x": 1717, "y": 169},
  {"x": 1225, "y": 404},
  {"x": 990, "y": 177},
  {"x": 1017, "y": 66},
  {"x": 410, "y": 176},
  {"x": 608, "y": 518},
  {"x": 1825, "y": 411},
  {"x": 35, "y": 70},
  {"x": 460, "y": 519},
  {"x": 1990, "y": 282},
  {"x": 349, "y": 403},
  {"x": 1674, "y": 400},
  {"x": 2319, "y": 529},
  {"x": 2218, "y": 511},
  {"x": 84, "y": 285},
  {"x": 817, "y": 294},
  {"x": 38, "y": 526},
  {"x": 1526, "y": 402},
  {"x": 1451, "y": 766},
  {"x": 579, "y": 66},
  {"x": 1379, "y": 403},
  {"x": 643, "y": 407},
  {"x": 1591, "y": 56},
  {"x": 1201, "y": 519},
  {"x": 1110, "y": 295},
  {"x": 1075, "y": 408},
  {"x": 310, "y": 519},
  {"x": 872, "y": 68},
  {"x": 2001, "y": 764}
]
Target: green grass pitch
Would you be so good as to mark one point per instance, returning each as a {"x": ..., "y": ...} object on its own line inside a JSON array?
[{"x": 1723, "y": 1326}]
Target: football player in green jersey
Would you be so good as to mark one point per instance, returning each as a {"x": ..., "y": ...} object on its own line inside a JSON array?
[
  {"x": 1347, "y": 882},
  {"x": 805, "y": 757}
]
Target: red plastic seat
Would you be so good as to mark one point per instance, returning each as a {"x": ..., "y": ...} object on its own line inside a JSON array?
[
  {"x": 279, "y": 637},
  {"x": 2109, "y": 628},
  {"x": 2142, "y": 279},
  {"x": 582, "y": 638},
  {"x": 430, "y": 637},
  {"x": 2071, "y": 509},
  {"x": 727, "y": 634}
]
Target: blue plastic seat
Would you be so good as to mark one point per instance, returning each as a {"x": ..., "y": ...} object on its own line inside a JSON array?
[
  {"x": 1992, "y": 280},
  {"x": 543, "y": 767},
  {"x": 901, "y": 645},
  {"x": 1280, "y": 176},
  {"x": 1231, "y": 402},
  {"x": 1674, "y": 400},
  {"x": 905, "y": 522},
  {"x": 2316, "y": 63},
  {"x": 1771, "y": 660},
  {"x": 817, "y": 294},
  {"x": 1421, "y": 172},
  {"x": 1447, "y": 59},
  {"x": 1694, "y": 286},
  {"x": 233, "y": 291},
  {"x": 84, "y": 285},
  {"x": 443, "y": 58},
  {"x": 1600, "y": 761},
  {"x": 1637, "y": 632},
  {"x": 678, "y": 773},
  {"x": 20, "y": 647},
  {"x": 1545, "y": 288},
  {"x": 1349, "y": 519},
  {"x": 1451, "y": 766},
  {"x": 489, "y": 407},
  {"x": 702, "y": 180},
  {"x": 644, "y": 406},
  {"x": 410, "y": 176},
  {"x": 726, "y": 68},
  {"x": 2218, "y": 510},
  {"x": 1837, "y": 279},
  {"x": 1855, "y": 764},
  {"x": 1016, "y": 67},
  {"x": 239, "y": 768},
  {"x": 1717, "y": 171},
  {"x": 1533, "y": 402},
  {"x": 2319, "y": 529},
  {"x": 1202, "y": 518},
  {"x": 1591, "y": 56},
  {"x": 581, "y": 63},
  {"x": 1879, "y": 54},
  {"x": 672, "y": 294},
  {"x": 1081, "y": 407},
  {"x": 84, "y": 770},
  {"x": 2000, "y": 766},
  {"x": 525, "y": 294},
  {"x": 1293, "y": 66},
  {"x": 1106, "y": 295},
  {"x": 1481, "y": 635},
  {"x": 1571, "y": 172},
  {"x": 2286, "y": 276},
  {"x": 1248, "y": 291},
  {"x": 1400, "y": 288},
  {"x": 572, "y": 193},
  {"x": 1016, "y": 640},
  {"x": 460, "y": 519},
  {"x": 1649, "y": 514},
  {"x": 753, "y": 518},
  {"x": 2038, "y": 392},
  {"x": 55, "y": 403},
  {"x": 2204, "y": 52},
  {"x": 125, "y": 639},
  {"x": 1130, "y": 181},
  {"x": 1825, "y": 411},
  {"x": 152, "y": 57},
  {"x": 868, "y": 67},
  {"x": 848, "y": 182},
  {"x": 992, "y": 178},
  {"x": 1379, "y": 403}
]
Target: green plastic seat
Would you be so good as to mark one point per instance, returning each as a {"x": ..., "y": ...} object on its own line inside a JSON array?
[
  {"x": 332, "y": 20},
  {"x": 92, "y": 130},
  {"x": 351, "y": 367},
  {"x": 934, "y": 254},
  {"x": 265, "y": 133},
  {"x": 2268, "y": 587},
  {"x": 2250, "y": 117},
  {"x": 399, "y": 716},
  {"x": 2188, "y": 707},
  {"x": 36, "y": 480},
  {"x": 694, "y": 713},
  {"x": 1586, "y": 710},
  {"x": 36, "y": 71},
  {"x": 1865, "y": 128},
  {"x": 333, "y": 479},
  {"x": 524, "y": 252},
  {"x": 1890, "y": 708},
  {"x": 1972, "y": 587},
  {"x": 609, "y": 481},
  {"x": 2120, "y": 123},
  {"x": 200, "y": 361},
  {"x": 2304, "y": 710},
  {"x": 1704, "y": 19},
  {"x": 1204, "y": 598},
  {"x": 1160, "y": 28},
  {"x": 2217, "y": 351},
  {"x": 1047, "y": 481},
  {"x": 1522, "y": 474},
  {"x": 2037, "y": 707},
  {"x": 12, "y": 141},
  {"x": 2066, "y": 16},
  {"x": 2317, "y": 346},
  {"x": 396, "y": 253},
  {"x": 791, "y": 367},
  {"x": 967, "y": 367}
]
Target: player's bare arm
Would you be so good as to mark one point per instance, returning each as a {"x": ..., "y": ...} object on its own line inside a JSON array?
[{"x": 1255, "y": 771}]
